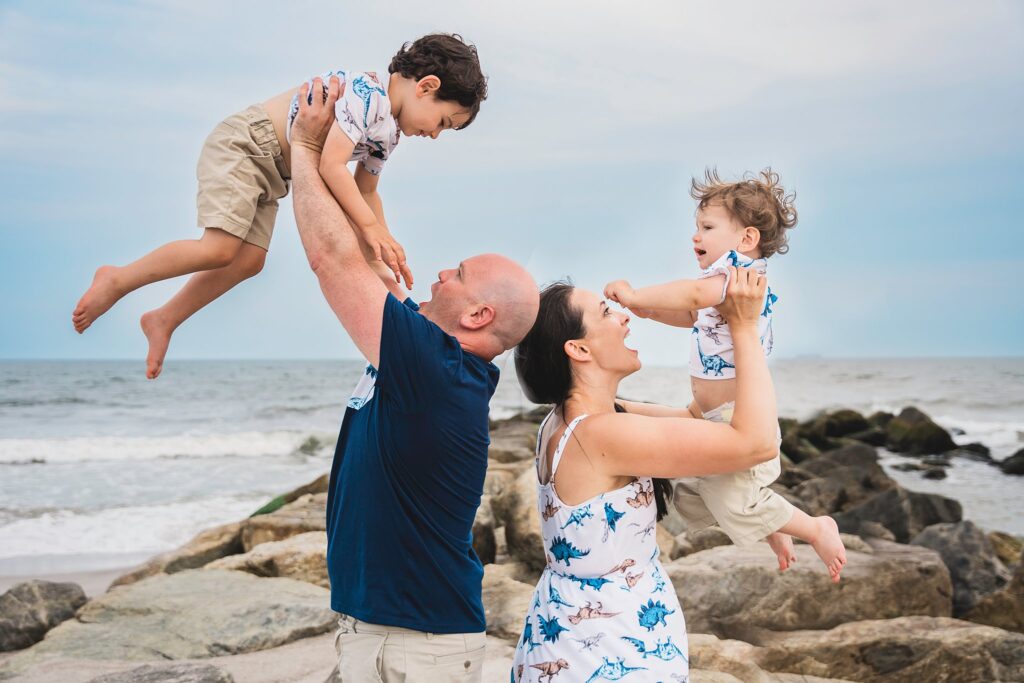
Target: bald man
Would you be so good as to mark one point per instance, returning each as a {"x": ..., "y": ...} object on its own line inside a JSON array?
[{"x": 411, "y": 457}]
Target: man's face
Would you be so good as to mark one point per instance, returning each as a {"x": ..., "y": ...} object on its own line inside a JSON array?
[{"x": 451, "y": 294}]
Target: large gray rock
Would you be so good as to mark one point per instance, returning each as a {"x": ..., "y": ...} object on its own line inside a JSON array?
[
  {"x": 1004, "y": 608},
  {"x": 207, "y": 546},
  {"x": 903, "y": 650},
  {"x": 904, "y": 513},
  {"x": 725, "y": 661},
  {"x": 306, "y": 513},
  {"x": 512, "y": 442},
  {"x": 302, "y": 557},
  {"x": 190, "y": 614},
  {"x": 841, "y": 479},
  {"x": 973, "y": 566},
  {"x": 690, "y": 542},
  {"x": 318, "y": 485},
  {"x": 30, "y": 609},
  {"x": 914, "y": 432},
  {"x": 729, "y": 591},
  {"x": 484, "y": 542},
  {"x": 516, "y": 508},
  {"x": 1013, "y": 464},
  {"x": 506, "y": 601},
  {"x": 168, "y": 673}
]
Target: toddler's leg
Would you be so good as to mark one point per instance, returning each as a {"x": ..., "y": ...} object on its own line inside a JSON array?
[
  {"x": 782, "y": 545},
  {"x": 822, "y": 533},
  {"x": 215, "y": 249},
  {"x": 159, "y": 324}
]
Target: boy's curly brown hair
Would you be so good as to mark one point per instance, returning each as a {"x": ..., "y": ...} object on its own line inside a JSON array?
[
  {"x": 757, "y": 200},
  {"x": 452, "y": 60}
]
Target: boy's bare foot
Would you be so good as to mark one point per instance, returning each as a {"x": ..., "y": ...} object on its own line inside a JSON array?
[
  {"x": 97, "y": 300},
  {"x": 782, "y": 545},
  {"x": 158, "y": 332},
  {"x": 829, "y": 546}
]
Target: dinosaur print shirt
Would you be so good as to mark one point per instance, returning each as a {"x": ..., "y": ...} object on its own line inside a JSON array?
[
  {"x": 711, "y": 355},
  {"x": 364, "y": 114}
]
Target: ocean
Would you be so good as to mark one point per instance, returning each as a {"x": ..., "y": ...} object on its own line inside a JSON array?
[{"x": 101, "y": 469}]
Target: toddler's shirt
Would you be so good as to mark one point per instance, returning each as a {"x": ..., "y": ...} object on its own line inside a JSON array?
[
  {"x": 363, "y": 113},
  {"x": 711, "y": 354}
]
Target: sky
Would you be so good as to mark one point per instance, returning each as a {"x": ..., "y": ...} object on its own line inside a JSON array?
[{"x": 896, "y": 124}]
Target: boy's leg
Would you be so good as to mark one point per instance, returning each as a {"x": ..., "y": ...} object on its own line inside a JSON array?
[
  {"x": 822, "y": 533},
  {"x": 215, "y": 249},
  {"x": 159, "y": 324}
]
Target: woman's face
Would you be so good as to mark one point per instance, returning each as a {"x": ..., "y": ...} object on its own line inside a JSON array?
[{"x": 606, "y": 332}]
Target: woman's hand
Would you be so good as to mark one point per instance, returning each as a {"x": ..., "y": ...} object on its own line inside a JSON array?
[{"x": 744, "y": 298}]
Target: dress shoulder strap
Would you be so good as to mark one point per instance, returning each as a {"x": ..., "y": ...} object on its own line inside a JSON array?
[{"x": 561, "y": 444}]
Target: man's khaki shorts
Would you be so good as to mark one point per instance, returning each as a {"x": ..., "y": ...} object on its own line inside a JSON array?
[
  {"x": 371, "y": 653},
  {"x": 241, "y": 175},
  {"x": 739, "y": 502}
]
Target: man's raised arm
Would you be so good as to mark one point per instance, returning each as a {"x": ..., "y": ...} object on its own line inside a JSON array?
[{"x": 352, "y": 289}]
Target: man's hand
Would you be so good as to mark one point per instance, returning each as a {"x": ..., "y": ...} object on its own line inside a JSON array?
[
  {"x": 621, "y": 292},
  {"x": 383, "y": 247},
  {"x": 316, "y": 115}
]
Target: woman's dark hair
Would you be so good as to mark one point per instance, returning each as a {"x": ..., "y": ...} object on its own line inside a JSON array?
[
  {"x": 452, "y": 60},
  {"x": 544, "y": 370}
]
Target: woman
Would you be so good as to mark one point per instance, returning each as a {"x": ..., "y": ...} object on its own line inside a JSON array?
[{"x": 604, "y": 609}]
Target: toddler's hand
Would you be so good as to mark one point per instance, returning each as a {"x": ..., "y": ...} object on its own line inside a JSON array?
[
  {"x": 385, "y": 248},
  {"x": 621, "y": 292}
]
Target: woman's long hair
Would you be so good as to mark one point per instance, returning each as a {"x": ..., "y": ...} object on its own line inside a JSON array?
[{"x": 545, "y": 372}]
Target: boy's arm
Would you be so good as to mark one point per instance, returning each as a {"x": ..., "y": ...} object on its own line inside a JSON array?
[
  {"x": 334, "y": 171},
  {"x": 667, "y": 317},
  {"x": 681, "y": 295},
  {"x": 367, "y": 184}
]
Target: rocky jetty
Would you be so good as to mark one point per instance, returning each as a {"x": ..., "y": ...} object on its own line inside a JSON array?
[{"x": 926, "y": 595}]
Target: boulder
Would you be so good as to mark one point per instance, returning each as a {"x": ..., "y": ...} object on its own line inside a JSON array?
[
  {"x": 798, "y": 449},
  {"x": 30, "y": 609},
  {"x": 973, "y": 451},
  {"x": 974, "y": 568},
  {"x": 914, "y": 432},
  {"x": 841, "y": 479},
  {"x": 516, "y": 509},
  {"x": 1004, "y": 608},
  {"x": 902, "y": 650},
  {"x": 187, "y": 615},
  {"x": 666, "y": 543},
  {"x": 730, "y": 590},
  {"x": 506, "y": 602},
  {"x": 713, "y": 661},
  {"x": 306, "y": 513},
  {"x": 168, "y": 673},
  {"x": 1014, "y": 464},
  {"x": 904, "y": 513},
  {"x": 873, "y": 436},
  {"x": 484, "y": 542},
  {"x": 934, "y": 473},
  {"x": 512, "y": 441},
  {"x": 205, "y": 547},
  {"x": 1008, "y": 548},
  {"x": 500, "y": 476},
  {"x": 880, "y": 419},
  {"x": 690, "y": 542},
  {"x": 318, "y": 485},
  {"x": 302, "y": 557},
  {"x": 875, "y": 530}
]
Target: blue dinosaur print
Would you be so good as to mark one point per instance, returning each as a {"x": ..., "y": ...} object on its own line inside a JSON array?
[
  {"x": 365, "y": 91},
  {"x": 711, "y": 364},
  {"x": 536, "y": 600},
  {"x": 550, "y": 628},
  {"x": 738, "y": 261},
  {"x": 653, "y": 613},
  {"x": 613, "y": 670},
  {"x": 768, "y": 301},
  {"x": 527, "y": 638},
  {"x": 578, "y": 516},
  {"x": 597, "y": 583},
  {"x": 370, "y": 371},
  {"x": 554, "y": 598},
  {"x": 611, "y": 518},
  {"x": 666, "y": 651},
  {"x": 659, "y": 581},
  {"x": 566, "y": 552}
]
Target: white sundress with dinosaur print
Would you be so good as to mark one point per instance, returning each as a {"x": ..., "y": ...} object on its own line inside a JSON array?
[{"x": 603, "y": 610}]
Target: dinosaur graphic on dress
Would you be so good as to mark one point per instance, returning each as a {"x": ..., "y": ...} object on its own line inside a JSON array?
[
  {"x": 665, "y": 651},
  {"x": 365, "y": 92},
  {"x": 646, "y": 531},
  {"x": 555, "y": 599},
  {"x": 659, "y": 581},
  {"x": 613, "y": 670},
  {"x": 711, "y": 333},
  {"x": 550, "y": 669},
  {"x": 768, "y": 301},
  {"x": 644, "y": 496},
  {"x": 550, "y": 628},
  {"x": 611, "y": 517},
  {"x": 590, "y": 642},
  {"x": 653, "y": 613},
  {"x": 591, "y": 612},
  {"x": 578, "y": 516},
  {"x": 597, "y": 583},
  {"x": 711, "y": 364},
  {"x": 621, "y": 566},
  {"x": 527, "y": 638},
  {"x": 550, "y": 509},
  {"x": 566, "y": 552},
  {"x": 631, "y": 579}
]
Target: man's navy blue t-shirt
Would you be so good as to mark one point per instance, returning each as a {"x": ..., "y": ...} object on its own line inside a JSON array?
[{"x": 406, "y": 482}]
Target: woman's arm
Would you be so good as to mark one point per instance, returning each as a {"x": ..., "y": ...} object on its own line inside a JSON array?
[{"x": 642, "y": 445}]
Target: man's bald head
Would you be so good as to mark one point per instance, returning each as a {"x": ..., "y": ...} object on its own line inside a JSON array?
[{"x": 489, "y": 303}]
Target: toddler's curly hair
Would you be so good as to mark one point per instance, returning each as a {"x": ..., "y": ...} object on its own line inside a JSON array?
[
  {"x": 756, "y": 200},
  {"x": 452, "y": 60}
]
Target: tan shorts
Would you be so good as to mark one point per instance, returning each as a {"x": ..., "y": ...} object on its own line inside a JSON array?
[
  {"x": 739, "y": 502},
  {"x": 371, "y": 653},
  {"x": 241, "y": 175}
]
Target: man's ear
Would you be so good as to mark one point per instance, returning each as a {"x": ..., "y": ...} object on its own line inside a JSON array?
[
  {"x": 428, "y": 85},
  {"x": 577, "y": 350},
  {"x": 751, "y": 238},
  {"x": 477, "y": 317}
]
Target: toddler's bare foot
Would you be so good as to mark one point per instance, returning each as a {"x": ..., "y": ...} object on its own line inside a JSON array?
[
  {"x": 782, "y": 545},
  {"x": 158, "y": 332},
  {"x": 829, "y": 546},
  {"x": 97, "y": 300}
]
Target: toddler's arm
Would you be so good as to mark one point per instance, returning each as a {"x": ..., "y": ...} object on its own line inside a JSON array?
[
  {"x": 667, "y": 301},
  {"x": 357, "y": 205}
]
